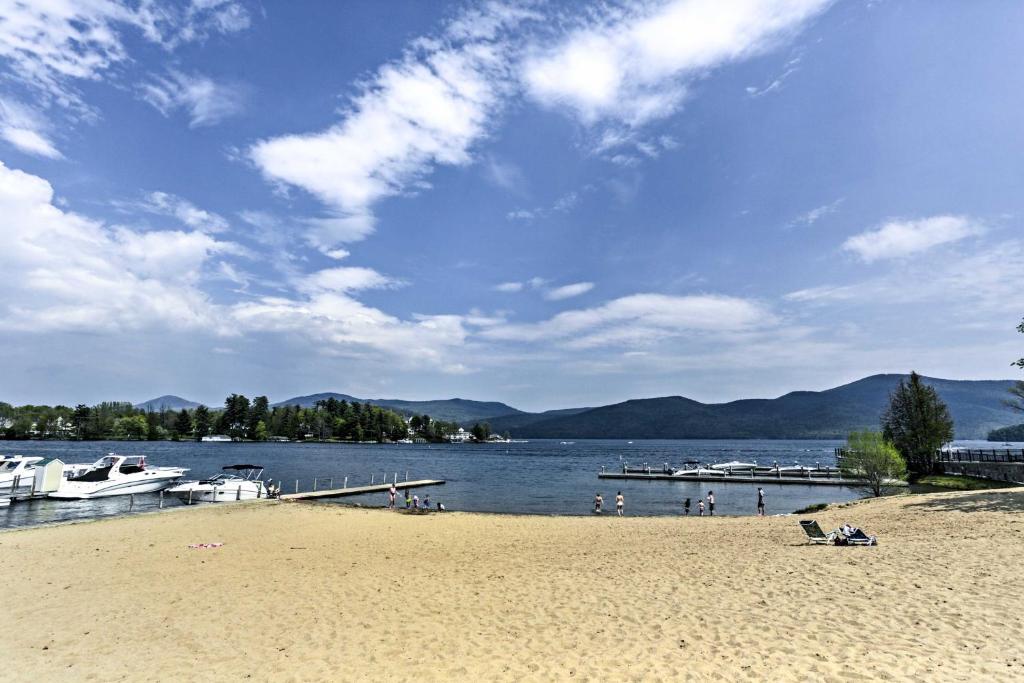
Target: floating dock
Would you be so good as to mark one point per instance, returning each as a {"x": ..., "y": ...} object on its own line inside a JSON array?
[
  {"x": 830, "y": 479},
  {"x": 359, "y": 490}
]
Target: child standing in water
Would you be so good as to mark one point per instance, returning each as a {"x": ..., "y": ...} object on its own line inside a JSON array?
[
  {"x": 598, "y": 502},
  {"x": 619, "y": 502},
  {"x": 700, "y": 507},
  {"x": 686, "y": 506}
]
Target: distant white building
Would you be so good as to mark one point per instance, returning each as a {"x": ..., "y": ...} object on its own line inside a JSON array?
[{"x": 461, "y": 436}]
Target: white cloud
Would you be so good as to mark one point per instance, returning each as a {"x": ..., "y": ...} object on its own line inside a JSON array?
[
  {"x": 520, "y": 215},
  {"x": 424, "y": 110},
  {"x": 636, "y": 65},
  {"x": 26, "y": 129},
  {"x": 47, "y": 45},
  {"x": 568, "y": 291},
  {"x": 206, "y": 101},
  {"x": 346, "y": 279},
  {"x": 167, "y": 204},
  {"x": 340, "y": 325},
  {"x": 638, "y": 319},
  {"x": 29, "y": 141},
  {"x": 509, "y": 287},
  {"x": 566, "y": 202},
  {"x": 337, "y": 254},
  {"x": 901, "y": 238},
  {"x": 62, "y": 271},
  {"x": 505, "y": 175},
  {"x": 817, "y": 213},
  {"x": 776, "y": 84}
]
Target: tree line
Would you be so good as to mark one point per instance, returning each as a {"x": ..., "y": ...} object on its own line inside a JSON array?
[{"x": 239, "y": 418}]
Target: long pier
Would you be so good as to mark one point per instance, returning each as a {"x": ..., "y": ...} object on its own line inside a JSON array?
[
  {"x": 735, "y": 478},
  {"x": 359, "y": 490}
]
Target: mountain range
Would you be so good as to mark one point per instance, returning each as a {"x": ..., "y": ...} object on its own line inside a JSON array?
[
  {"x": 976, "y": 406},
  {"x": 448, "y": 410}
]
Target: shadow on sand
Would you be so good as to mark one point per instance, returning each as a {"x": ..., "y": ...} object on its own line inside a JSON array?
[{"x": 994, "y": 500}]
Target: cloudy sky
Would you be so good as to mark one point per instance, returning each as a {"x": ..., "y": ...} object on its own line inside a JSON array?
[{"x": 543, "y": 203}]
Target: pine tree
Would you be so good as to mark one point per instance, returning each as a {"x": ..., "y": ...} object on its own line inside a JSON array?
[
  {"x": 201, "y": 422},
  {"x": 917, "y": 423}
]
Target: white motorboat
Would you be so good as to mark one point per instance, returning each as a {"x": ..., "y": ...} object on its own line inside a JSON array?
[
  {"x": 735, "y": 466},
  {"x": 116, "y": 475},
  {"x": 218, "y": 438},
  {"x": 20, "y": 468},
  {"x": 243, "y": 482}
]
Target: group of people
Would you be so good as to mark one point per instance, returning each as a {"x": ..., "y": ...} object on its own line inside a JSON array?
[
  {"x": 620, "y": 502},
  {"x": 412, "y": 501}
]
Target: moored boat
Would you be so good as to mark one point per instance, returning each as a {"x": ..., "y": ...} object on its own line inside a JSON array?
[
  {"x": 238, "y": 482},
  {"x": 116, "y": 475}
]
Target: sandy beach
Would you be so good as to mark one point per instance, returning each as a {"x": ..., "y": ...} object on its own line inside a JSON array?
[{"x": 317, "y": 592}]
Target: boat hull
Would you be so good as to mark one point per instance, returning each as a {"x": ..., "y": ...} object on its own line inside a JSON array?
[
  {"x": 219, "y": 494},
  {"x": 72, "y": 490}
]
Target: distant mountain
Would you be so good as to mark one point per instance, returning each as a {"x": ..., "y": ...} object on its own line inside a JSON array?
[
  {"x": 977, "y": 408},
  {"x": 310, "y": 401},
  {"x": 167, "y": 402},
  {"x": 449, "y": 410}
]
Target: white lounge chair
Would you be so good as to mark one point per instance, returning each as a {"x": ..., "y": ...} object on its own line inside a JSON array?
[{"x": 815, "y": 535}]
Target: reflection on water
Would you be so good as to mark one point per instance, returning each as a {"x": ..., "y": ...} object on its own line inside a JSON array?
[{"x": 539, "y": 477}]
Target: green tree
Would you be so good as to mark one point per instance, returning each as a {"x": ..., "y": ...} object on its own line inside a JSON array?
[
  {"x": 481, "y": 432},
  {"x": 80, "y": 419},
  {"x": 260, "y": 431},
  {"x": 201, "y": 422},
  {"x": 872, "y": 459},
  {"x": 182, "y": 425},
  {"x": 917, "y": 423},
  {"x": 1017, "y": 390},
  {"x": 133, "y": 427},
  {"x": 259, "y": 412}
]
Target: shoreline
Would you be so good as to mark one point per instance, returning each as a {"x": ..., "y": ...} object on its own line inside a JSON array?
[{"x": 330, "y": 592}]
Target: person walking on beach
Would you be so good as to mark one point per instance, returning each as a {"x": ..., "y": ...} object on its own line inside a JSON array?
[
  {"x": 392, "y": 492},
  {"x": 711, "y": 503},
  {"x": 760, "y": 502},
  {"x": 619, "y": 502},
  {"x": 598, "y": 502},
  {"x": 686, "y": 506},
  {"x": 700, "y": 507}
]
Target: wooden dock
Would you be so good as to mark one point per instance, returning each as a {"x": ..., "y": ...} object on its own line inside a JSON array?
[
  {"x": 816, "y": 480},
  {"x": 359, "y": 490}
]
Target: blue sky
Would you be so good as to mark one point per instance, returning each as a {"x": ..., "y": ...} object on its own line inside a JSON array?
[{"x": 549, "y": 204}]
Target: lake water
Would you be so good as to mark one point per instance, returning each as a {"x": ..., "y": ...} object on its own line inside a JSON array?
[{"x": 538, "y": 477}]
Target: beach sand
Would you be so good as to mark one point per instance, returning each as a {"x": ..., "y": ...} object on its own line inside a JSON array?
[{"x": 319, "y": 592}]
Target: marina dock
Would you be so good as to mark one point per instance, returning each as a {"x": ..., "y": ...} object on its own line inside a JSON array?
[
  {"x": 359, "y": 490},
  {"x": 831, "y": 479}
]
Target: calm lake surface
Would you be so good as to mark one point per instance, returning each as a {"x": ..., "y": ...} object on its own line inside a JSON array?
[{"x": 538, "y": 477}]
